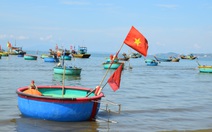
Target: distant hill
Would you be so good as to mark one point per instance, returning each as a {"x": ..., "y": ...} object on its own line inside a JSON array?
[{"x": 166, "y": 55}]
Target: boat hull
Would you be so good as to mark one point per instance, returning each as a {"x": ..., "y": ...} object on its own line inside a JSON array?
[
  {"x": 113, "y": 66},
  {"x": 151, "y": 62},
  {"x": 81, "y": 55},
  {"x": 175, "y": 60},
  {"x": 30, "y": 57},
  {"x": 205, "y": 69},
  {"x": 4, "y": 54},
  {"x": 20, "y": 55},
  {"x": 50, "y": 59},
  {"x": 163, "y": 59},
  {"x": 188, "y": 57},
  {"x": 68, "y": 71},
  {"x": 74, "y": 106}
]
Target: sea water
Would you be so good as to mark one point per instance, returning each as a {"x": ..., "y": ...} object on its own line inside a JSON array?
[{"x": 170, "y": 96}]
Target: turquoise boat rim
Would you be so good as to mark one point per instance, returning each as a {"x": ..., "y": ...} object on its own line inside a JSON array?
[{"x": 20, "y": 93}]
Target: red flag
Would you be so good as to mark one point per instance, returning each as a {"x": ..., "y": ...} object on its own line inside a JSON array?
[
  {"x": 137, "y": 41},
  {"x": 115, "y": 79}
]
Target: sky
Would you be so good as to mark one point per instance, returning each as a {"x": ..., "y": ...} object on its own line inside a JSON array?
[{"x": 180, "y": 26}]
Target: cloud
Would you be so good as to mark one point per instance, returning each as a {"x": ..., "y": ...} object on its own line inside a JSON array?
[
  {"x": 22, "y": 38},
  {"x": 48, "y": 37},
  {"x": 11, "y": 36},
  {"x": 3, "y": 36},
  {"x": 197, "y": 46},
  {"x": 167, "y": 6}
]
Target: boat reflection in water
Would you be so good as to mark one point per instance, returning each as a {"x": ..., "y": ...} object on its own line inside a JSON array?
[
  {"x": 59, "y": 77},
  {"x": 25, "y": 124}
]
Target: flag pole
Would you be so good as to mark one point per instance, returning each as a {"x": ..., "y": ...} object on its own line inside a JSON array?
[
  {"x": 110, "y": 65},
  {"x": 106, "y": 71}
]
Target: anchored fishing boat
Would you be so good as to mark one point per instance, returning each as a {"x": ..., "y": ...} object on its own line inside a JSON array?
[
  {"x": 59, "y": 103},
  {"x": 67, "y": 70},
  {"x": 14, "y": 50},
  {"x": 4, "y": 53},
  {"x": 188, "y": 57},
  {"x": 81, "y": 53},
  {"x": 115, "y": 65},
  {"x": 51, "y": 59},
  {"x": 151, "y": 62},
  {"x": 174, "y": 59},
  {"x": 30, "y": 57},
  {"x": 126, "y": 58},
  {"x": 112, "y": 64},
  {"x": 205, "y": 69}
]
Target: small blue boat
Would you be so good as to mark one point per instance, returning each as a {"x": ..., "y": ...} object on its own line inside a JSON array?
[
  {"x": 67, "y": 70},
  {"x": 59, "y": 103},
  {"x": 151, "y": 62},
  {"x": 114, "y": 65},
  {"x": 30, "y": 57},
  {"x": 51, "y": 59}
]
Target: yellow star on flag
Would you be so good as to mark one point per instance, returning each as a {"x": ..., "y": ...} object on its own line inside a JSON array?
[{"x": 137, "y": 41}]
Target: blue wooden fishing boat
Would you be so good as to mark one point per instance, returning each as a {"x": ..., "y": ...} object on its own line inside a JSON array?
[
  {"x": 205, "y": 69},
  {"x": 114, "y": 65},
  {"x": 151, "y": 62},
  {"x": 50, "y": 59},
  {"x": 59, "y": 103},
  {"x": 30, "y": 57},
  {"x": 68, "y": 70}
]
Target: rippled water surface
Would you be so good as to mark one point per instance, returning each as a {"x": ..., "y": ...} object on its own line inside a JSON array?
[{"x": 170, "y": 96}]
